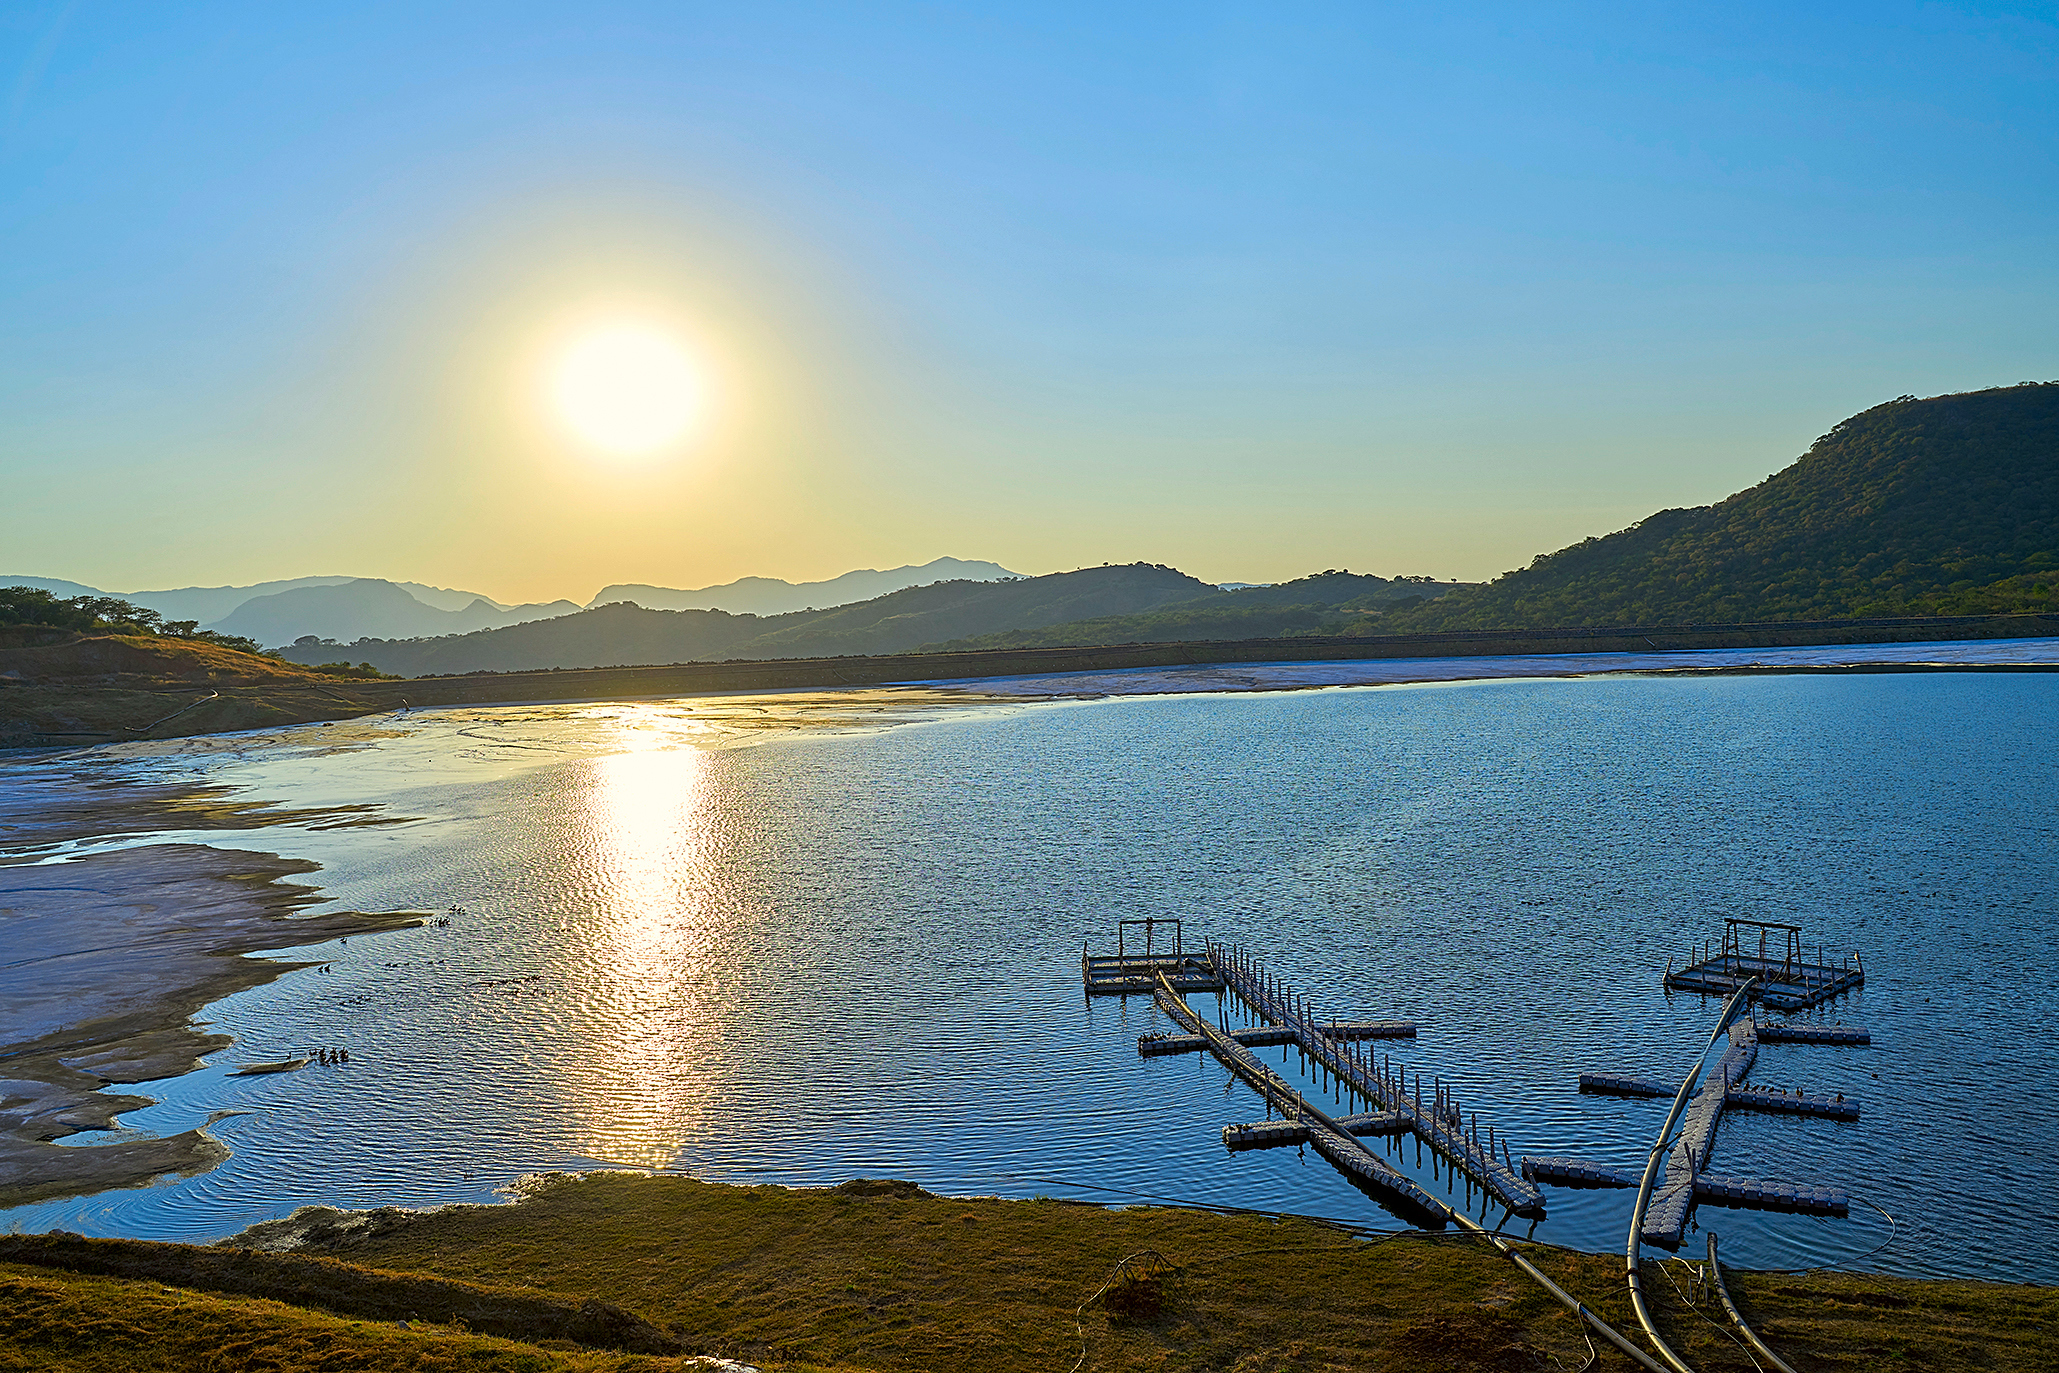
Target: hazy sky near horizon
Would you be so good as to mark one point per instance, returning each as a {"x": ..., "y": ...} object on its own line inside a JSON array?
[{"x": 1250, "y": 289}]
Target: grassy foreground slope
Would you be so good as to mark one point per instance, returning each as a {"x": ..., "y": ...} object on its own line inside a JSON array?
[
  {"x": 1945, "y": 506},
  {"x": 880, "y": 1276}
]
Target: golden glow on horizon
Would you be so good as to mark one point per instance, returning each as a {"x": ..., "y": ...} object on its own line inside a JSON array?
[{"x": 628, "y": 389}]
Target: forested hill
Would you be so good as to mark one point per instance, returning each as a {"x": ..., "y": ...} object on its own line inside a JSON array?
[
  {"x": 627, "y": 634},
  {"x": 1323, "y": 603},
  {"x": 1946, "y": 506}
]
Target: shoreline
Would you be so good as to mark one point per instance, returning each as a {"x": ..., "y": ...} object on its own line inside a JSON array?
[
  {"x": 876, "y": 1274},
  {"x": 40, "y": 711},
  {"x": 114, "y": 954}
]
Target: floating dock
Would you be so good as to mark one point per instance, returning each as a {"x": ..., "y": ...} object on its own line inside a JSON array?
[
  {"x": 1788, "y": 980},
  {"x": 1439, "y": 1123},
  {"x": 1792, "y": 1033},
  {"x": 1330, "y": 1137},
  {"x": 1686, "y": 1181},
  {"x": 1795, "y": 1103},
  {"x": 1144, "y": 949},
  {"x": 1266, "y": 1036},
  {"x": 1709, "y": 1188},
  {"x": 1617, "y": 1084},
  {"x": 1271, "y": 1134}
]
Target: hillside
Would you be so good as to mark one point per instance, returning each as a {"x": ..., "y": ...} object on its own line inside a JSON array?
[
  {"x": 57, "y": 685},
  {"x": 369, "y": 607},
  {"x": 622, "y": 634},
  {"x": 1945, "y": 506},
  {"x": 1324, "y": 603}
]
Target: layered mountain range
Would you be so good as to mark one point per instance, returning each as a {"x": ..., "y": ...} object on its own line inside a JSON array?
[
  {"x": 1915, "y": 507},
  {"x": 1135, "y": 602},
  {"x": 346, "y": 609}
]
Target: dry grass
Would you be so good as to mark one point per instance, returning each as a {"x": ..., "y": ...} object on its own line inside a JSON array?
[
  {"x": 66, "y": 1323},
  {"x": 893, "y": 1280},
  {"x": 887, "y": 1278}
]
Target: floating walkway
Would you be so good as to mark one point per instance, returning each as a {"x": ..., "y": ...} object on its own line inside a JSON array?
[
  {"x": 1686, "y": 1181},
  {"x": 1709, "y": 1188},
  {"x": 1616, "y": 1084},
  {"x": 1671, "y": 1204},
  {"x": 1788, "y": 981},
  {"x": 1797, "y": 1103},
  {"x": 1331, "y": 1138},
  {"x": 1271, "y": 1134},
  {"x": 1438, "y": 1123},
  {"x": 1266, "y": 1036}
]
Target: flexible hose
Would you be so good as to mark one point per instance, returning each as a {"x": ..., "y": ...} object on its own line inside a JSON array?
[
  {"x": 1736, "y": 1316},
  {"x": 1464, "y": 1222},
  {"x": 1738, "y": 999}
]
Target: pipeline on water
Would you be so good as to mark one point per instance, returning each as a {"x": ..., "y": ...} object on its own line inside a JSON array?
[{"x": 1464, "y": 1222}]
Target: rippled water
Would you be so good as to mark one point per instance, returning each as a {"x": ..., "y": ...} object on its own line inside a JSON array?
[{"x": 857, "y": 953}]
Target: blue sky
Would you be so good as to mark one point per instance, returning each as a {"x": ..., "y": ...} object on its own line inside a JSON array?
[{"x": 1251, "y": 290}]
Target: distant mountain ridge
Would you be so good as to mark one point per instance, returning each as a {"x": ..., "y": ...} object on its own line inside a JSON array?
[
  {"x": 344, "y": 609},
  {"x": 623, "y": 634},
  {"x": 1323, "y": 603},
  {"x": 206, "y": 604},
  {"x": 771, "y": 596},
  {"x": 1944, "y": 506},
  {"x": 369, "y": 607}
]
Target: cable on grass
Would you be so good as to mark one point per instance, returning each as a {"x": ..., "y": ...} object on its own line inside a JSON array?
[
  {"x": 1701, "y": 1279},
  {"x": 1139, "y": 1272}
]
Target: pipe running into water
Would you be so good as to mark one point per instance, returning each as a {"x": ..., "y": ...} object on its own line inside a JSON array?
[
  {"x": 1736, "y": 1316},
  {"x": 1467, "y": 1223},
  {"x": 1738, "y": 1000}
]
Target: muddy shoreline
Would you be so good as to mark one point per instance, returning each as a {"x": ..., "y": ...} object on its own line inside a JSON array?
[{"x": 108, "y": 958}]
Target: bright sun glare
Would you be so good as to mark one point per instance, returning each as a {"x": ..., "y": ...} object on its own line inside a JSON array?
[{"x": 629, "y": 390}]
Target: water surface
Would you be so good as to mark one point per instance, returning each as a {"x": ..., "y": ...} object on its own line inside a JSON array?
[{"x": 857, "y": 952}]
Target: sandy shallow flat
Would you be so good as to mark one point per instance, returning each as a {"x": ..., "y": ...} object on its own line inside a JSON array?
[
  {"x": 1214, "y": 677},
  {"x": 103, "y": 959}
]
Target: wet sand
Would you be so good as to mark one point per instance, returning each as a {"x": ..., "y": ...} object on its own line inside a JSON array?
[{"x": 106, "y": 959}]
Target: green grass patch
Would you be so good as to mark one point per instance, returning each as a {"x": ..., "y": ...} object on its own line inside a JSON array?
[{"x": 883, "y": 1276}]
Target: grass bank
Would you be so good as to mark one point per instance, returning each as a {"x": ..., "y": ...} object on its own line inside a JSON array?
[{"x": 881, "y": 1276}]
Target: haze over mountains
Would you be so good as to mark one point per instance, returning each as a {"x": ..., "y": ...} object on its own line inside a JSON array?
[
  {"x": 278, "y": 611},
  {"x": 345, "y": 609},
  {"x": 369, "y": 607},
  {"x": 771, "y": 596},
  {"x": 1941, "y": 506},
  {"x": 1136, "y": 601},
  {"x": 624, "y": 634}
]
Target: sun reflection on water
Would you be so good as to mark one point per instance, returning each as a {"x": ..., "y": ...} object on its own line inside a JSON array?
[{"x": 653, "y": 981}]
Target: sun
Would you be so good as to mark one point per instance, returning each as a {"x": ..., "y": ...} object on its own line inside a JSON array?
[{"x": 628, "y": 389}]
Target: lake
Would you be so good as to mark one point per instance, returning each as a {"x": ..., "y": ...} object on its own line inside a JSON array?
[{"x": 855, "y": 951}]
